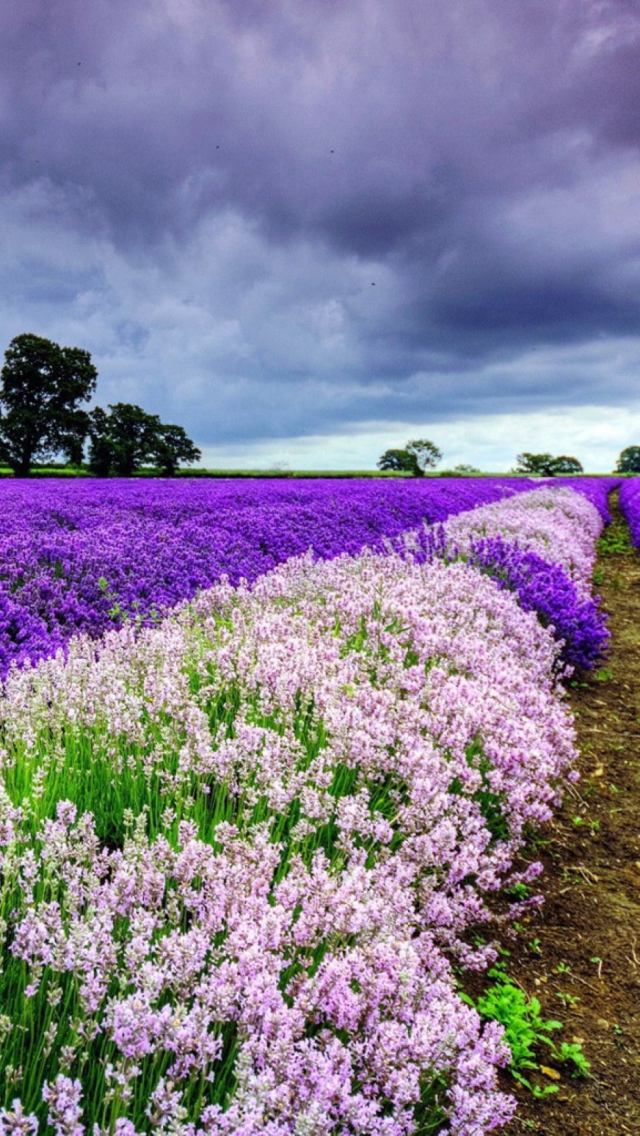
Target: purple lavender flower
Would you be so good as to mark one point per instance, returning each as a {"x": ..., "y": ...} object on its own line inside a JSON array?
[
  {"x": 547, "y": 589},
  {"x": 83, "y": 557},
  {"x": 630, "y": 505}
]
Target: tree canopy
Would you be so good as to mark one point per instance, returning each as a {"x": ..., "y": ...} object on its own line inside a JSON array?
[
  {"x": 42, "y": 386},
  {"x": 417, "y": 455},
  {"x": 398, "y": 460},
  {"x": 128, "y": 437},
  {"x": 120, "y": 442},
  {"x": 546, "y": 465},
  {"x": 629, "y": 460},
  {"x": 172, "y": 446}
]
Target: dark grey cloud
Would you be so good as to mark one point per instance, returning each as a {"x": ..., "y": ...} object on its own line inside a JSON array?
[{"x": 258, "y": 215}]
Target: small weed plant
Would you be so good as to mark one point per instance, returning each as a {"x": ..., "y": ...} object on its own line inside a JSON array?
[
  {"x": 525, "y": 1030},
  {"x": 615, "y": 541}
]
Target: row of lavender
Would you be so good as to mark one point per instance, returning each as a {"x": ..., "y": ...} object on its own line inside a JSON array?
[
  {"x": 82, "y": 557},
  {"x": 511, "y": 543},
  {"x": 244, "y": 852},
  {"x": 630, "y": 505}
]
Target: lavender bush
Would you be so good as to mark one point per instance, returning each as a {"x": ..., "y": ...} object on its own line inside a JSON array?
[
  {"x": 548, "y": 562},
  {"x": 547, "y": 589},
  {"x": 240, "y": 852},
  {"x": 296, "y": 874},
  {"x": 595, "y": 489},
  {"x": 542, "y": 547},
  {"x": 558, "y": 524}
]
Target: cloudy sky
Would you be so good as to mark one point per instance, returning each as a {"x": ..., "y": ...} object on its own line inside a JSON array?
[{"x": 308, "y": 230}]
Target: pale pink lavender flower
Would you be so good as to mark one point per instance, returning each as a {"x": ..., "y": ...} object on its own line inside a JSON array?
[
  {"x": 63, "y": 1097},
  {"x": 15, "y": 1122},
  {"x": 560, "y": 525}
]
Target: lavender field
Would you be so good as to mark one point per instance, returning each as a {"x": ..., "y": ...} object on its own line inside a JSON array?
[
  {"x": 247, "y": 842},
  {"x": 88, "y": 556}
]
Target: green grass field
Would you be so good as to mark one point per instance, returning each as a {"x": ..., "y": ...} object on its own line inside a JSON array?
[{"x": 278, "y": 474}]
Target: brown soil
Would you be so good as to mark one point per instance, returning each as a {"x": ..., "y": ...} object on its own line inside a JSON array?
[{"x": 580, "y": 953}]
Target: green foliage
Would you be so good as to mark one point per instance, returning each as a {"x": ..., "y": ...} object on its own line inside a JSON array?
[
  {"x": 399, "y": 461},
  {"x": 615, "y": 541},
  {"x": 42, "y": 387},
  {"x": 546, "y": 465},
  {"x": 426, "y": 453},
  {"x": 122, "y": 441},
  {"x": 568, "y": 999},
  {"x": 629, "y": 460},
  {"x": 519, "y": 892},
  {"x": 170, "y": 447},
  {"x": 524, "y": 1026},
  {"x": 417, "y": 456},
  {"x": 572, "y": 1053},
  {"x": 525, "y": 1029}
]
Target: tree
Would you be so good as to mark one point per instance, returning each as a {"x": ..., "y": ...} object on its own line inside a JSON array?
[
  {"x": 398, "y": 460},
  {"x": 101, "y": 450},
  {"x": 629, "y": 460},
  {"x": 545, "y": 465},
  {"x": 537, "y": 464},
  {"x": 564, "y": 466},
  {"x": 122, "y": 441},
  {"x": 426, "y": 454},
  {"x": 171, "y": 447},
  {"x": 73, "y": 449},
  {"x": 418, "y": 455},
  {"x": 42, "y": 387}
]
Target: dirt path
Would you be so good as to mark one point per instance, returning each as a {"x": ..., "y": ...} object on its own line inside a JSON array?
[{"x": 580, "y": 955}]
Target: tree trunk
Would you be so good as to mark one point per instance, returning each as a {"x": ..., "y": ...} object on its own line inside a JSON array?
[{"x": 21, "y": 468}]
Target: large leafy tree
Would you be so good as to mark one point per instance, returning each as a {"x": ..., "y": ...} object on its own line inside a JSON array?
[
  {"x": 42, "y": 387},
  {"x": 171, "y": 447},
  {"x": 101, "y": 450},
  {"x": 417, "y": 455},
  {"x": 120, "y": 442},
  {"x": 128, "y": 437},
  {"x": 546, "y": 465},
  {"x": 629, "y": 460},
  {"x": 398, "y": 460},
  {"x": 425, "y": 453},
  {"x": 564, "y": 466}
]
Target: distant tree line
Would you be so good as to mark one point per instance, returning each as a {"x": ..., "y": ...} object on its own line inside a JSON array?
[
  {"x": 545, "y": 465},
  {"x": 42, "y": 387},
  {"x": 419, "y": 455},
  {"x": 548, "y": 466}
]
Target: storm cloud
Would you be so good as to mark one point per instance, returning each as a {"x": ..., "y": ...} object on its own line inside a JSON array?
[{"x": 266, "y": 219}]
